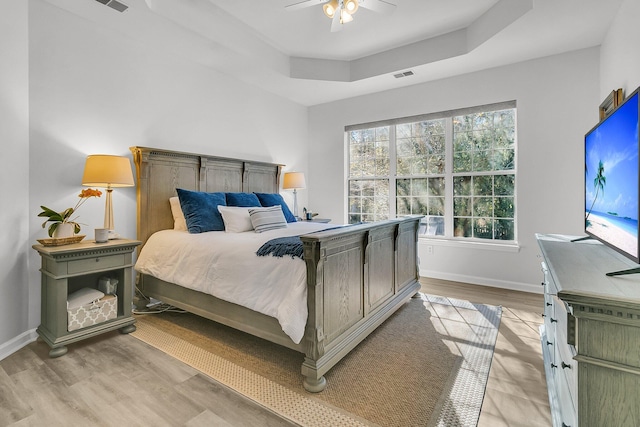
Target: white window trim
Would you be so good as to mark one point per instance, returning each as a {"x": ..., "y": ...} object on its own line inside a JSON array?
[
  {"x": 470, "y": 243},
  {"x": 448, "y": 239}
]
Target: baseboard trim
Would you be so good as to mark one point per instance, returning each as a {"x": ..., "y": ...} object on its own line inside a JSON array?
[
  {"x": 482, "y": 281},
  {"x": 15, "y": 344}
]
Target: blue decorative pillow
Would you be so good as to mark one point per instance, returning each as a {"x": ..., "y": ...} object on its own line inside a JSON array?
[
  {"x": 200, "y": 210},
  {"x": 247, "y": 200},
  {"x": 273, "y": 199}
]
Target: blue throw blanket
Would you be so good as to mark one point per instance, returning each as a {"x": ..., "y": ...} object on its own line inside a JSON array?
[
  {"x": 282, "y": 246},
  {"x": 291, "y": 246}
]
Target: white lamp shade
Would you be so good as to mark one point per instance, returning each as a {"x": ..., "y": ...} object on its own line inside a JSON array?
[
  {"x": 293, "y": 180},
  {"x": 103, "y": 170}
]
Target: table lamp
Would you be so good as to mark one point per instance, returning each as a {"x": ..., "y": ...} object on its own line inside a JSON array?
[
  {"x": 295, "y": 181},
  {"x": 106, "y": 171}
]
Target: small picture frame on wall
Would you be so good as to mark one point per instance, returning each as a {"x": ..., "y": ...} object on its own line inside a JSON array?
[{"x": 612, "y": 101}]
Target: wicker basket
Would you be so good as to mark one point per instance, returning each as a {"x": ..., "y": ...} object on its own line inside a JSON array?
[{"x": 61, "y": 241}]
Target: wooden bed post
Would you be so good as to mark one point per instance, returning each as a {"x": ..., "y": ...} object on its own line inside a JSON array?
[{"x": 314, "y": 334}]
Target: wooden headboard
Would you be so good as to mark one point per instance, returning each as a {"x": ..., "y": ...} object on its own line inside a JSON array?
[{"x": 159, "y": 172}]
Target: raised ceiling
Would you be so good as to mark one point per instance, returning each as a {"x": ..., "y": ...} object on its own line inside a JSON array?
[{"x": 294, "y": 54}]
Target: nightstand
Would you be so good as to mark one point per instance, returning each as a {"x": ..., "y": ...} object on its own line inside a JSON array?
[
  {"x": 324, "y": 220},
  {"x": 68, "y": 268}
]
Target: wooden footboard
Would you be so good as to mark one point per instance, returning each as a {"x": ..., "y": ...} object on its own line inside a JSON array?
[{"x": 357, "y": 277}]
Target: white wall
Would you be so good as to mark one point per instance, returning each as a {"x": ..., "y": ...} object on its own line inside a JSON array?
[
  {"x": 557, "y": 101},
  {"x": 14, "y": 175},
  {"x": 91, "y": 90},
  {"x": 619, "y": 55}
]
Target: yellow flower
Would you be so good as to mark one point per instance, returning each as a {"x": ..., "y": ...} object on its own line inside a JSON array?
[{"x": 57, "y": 218}]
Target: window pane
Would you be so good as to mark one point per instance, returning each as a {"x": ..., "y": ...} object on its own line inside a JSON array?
[
  {"x": 462, "y": 142},
  {"x": 503, "y": 207},
  {"x": 504, "y": 229},
  {"x": 403, "y": 206},
  {"x": 481, "y": 161},
  {"x": 354, "y": 205},
  {"x": 403, "y": 130},
  {"x": 403, "y": 166},
  {"x": 436, "y": 164},
  {"x": 421, "y": 165},
  {"x": 483, "y": 206},
  {"x": 434, "y": 226},
  {"x": 436, "y": 206},
  {"x": 382, "y": 167},
  {"x": 483, "y": 185},
  {"x": 481, "y": 140},
  {"x": 462, "y": 185},
  {"x": 403, "y": 187},
  {"x": 462, "y": 206},
  {"x": 368, "y": 135},
  {"x": 483, "y": 228},
  {"x": 382, "y": 133},
  {"x": 462, "y": 161},
  {"x": 504, "y": 185},
  {"x": 503, "y": 159},
  {"x": 437, "y": 144},
  {"x": 419, "y": 205},
  {"x": 462, "y": 227},
  {"x": 419, "y": 186},
  {"x": 436, "y": 187}
]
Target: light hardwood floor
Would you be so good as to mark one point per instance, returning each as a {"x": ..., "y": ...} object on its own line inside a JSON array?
[
  {"x": 516, "y": 392},
  {"x": 103, "y": 382}
]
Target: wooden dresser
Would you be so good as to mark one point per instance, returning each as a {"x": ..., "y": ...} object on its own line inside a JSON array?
[{"x": 591, "y": 334}]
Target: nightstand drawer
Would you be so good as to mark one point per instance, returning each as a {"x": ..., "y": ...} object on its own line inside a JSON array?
[{"x": 95, "y": 264}]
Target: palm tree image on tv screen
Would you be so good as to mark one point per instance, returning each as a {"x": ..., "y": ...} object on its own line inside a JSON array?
[{"x": 611, "y": 181}]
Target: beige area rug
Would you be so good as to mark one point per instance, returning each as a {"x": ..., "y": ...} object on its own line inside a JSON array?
[{"x": 427, "y": 365}]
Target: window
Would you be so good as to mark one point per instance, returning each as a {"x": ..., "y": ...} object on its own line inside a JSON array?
[
  {"x": 455, "y": 168},
  {"x": 369, "y": 174}
]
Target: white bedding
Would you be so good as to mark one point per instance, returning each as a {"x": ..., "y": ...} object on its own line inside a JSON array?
[{"x": 225, "y": 265}]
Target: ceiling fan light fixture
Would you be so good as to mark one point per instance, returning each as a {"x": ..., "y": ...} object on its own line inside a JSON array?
[
  {"x": 345, "y": 17},
  {"x": 330, "y": 8},
  {"x": 351, "y": 6}
]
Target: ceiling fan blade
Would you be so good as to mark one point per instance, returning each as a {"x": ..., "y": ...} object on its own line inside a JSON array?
[
  {"x": 336, "y": 25},
  {"x": 381, "y": 6},
  {"x": 301, "y": 4}
]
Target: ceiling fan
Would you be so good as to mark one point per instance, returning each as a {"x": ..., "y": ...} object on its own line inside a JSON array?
[{"x": 341, "y": 11}]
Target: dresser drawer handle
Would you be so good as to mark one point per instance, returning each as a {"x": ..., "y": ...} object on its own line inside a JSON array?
[
  {"x": 549, "y": 343},
  {"x": 549, "y": 304},
  {"x": 553, "y": 320},
  {"x": 565, "y": 425},
  {"x": 565, "y": 366},
  {"x": 553, "y": 365}
]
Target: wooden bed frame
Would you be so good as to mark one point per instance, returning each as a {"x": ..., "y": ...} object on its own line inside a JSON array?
[{"x": 357, "y": 276}]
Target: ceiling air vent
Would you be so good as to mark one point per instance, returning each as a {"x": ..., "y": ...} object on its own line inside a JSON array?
[
  {"x": 403, "y": 74},
  {"x": 114, "y": 4}
]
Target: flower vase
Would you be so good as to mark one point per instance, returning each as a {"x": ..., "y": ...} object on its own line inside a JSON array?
[{"x": 64, "y": 230}]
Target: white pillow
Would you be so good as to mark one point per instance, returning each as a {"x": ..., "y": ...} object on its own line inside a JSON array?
[
  {"x": 265, "y": 219},
  {"x": 179, "y": 223},
  {"x": 236, "y": 219}
]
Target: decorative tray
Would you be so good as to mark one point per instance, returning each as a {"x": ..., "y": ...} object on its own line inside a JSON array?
[{"x": 61, "y": 241}]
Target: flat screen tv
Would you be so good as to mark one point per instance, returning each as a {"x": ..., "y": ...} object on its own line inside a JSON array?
[{"x": 611, "y": 181}]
